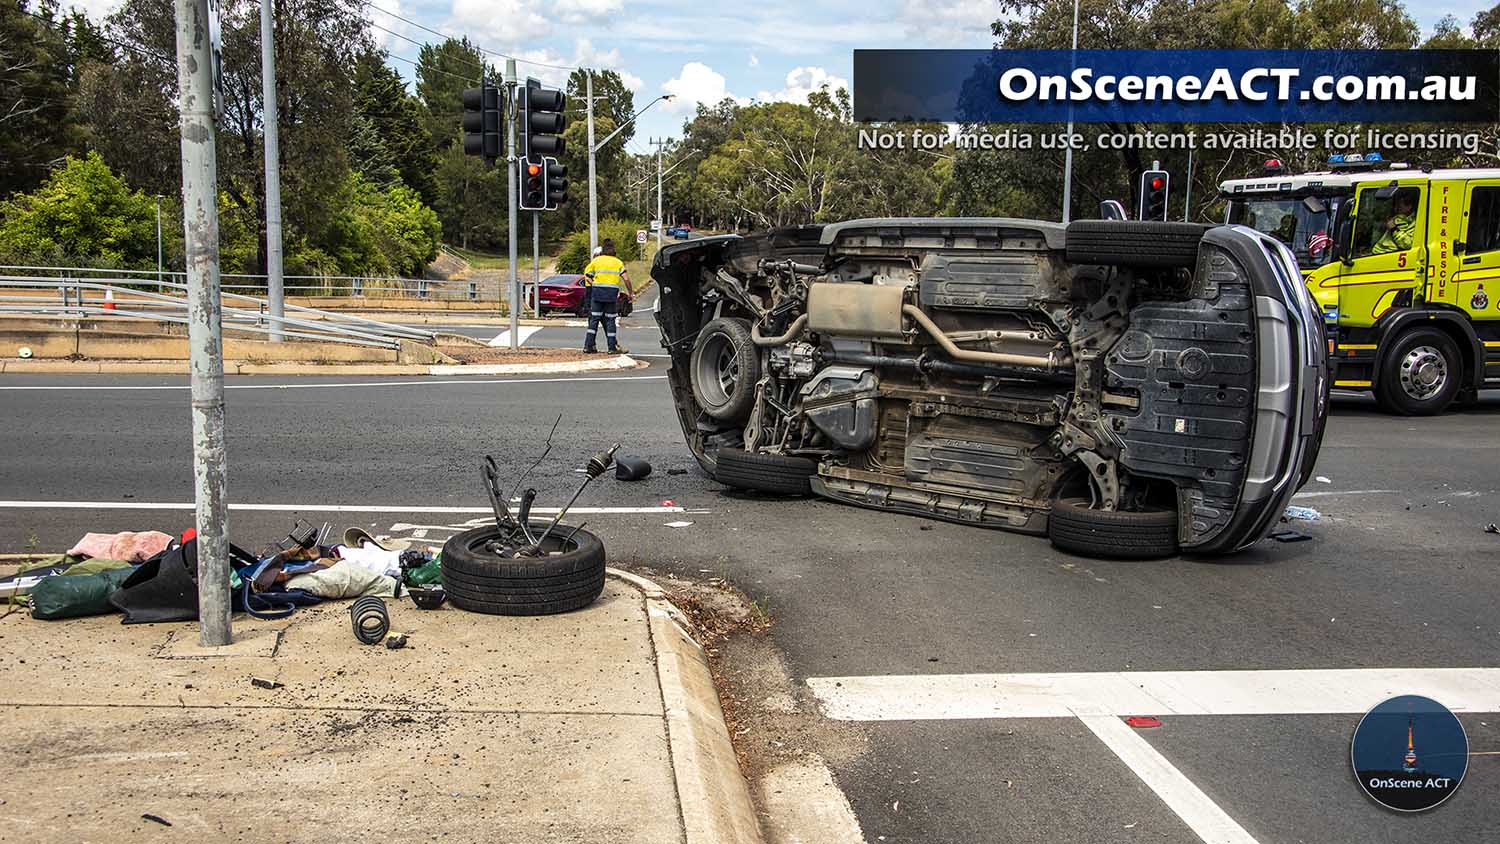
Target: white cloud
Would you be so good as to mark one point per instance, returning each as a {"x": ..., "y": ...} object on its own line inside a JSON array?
[
  {"x": 696, "y": 83},
  {"x": 510, "y": 24},
  {"x": 96, "y": 10},
  {"x": 950, "y": 23},
  {"x": 801, "y": 82},
  {"x": 754, "y": 60}
]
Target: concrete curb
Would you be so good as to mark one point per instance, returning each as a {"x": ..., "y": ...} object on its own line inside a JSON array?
[
  {"x": 180, "y": 367},
  {"x": 713, "y": 793}
]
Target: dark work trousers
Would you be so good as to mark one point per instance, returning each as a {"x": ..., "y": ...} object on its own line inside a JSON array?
[{"x": 602, "y": 306}]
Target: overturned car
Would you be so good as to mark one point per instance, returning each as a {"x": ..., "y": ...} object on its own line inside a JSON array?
[{"x": 1129, "y": 389}]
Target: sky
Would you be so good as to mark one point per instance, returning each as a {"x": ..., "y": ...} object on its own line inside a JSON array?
[{"x": 775, "y": 50}]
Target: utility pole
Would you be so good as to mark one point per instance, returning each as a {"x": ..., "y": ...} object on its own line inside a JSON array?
[
  {"x": 588, "y": 98},
  {"x": 1067, "y": 201},
  {"x": 510, "y": 179},
  {"x": 269, "y": 123},
  {"x": 200, "y": 214},
  {"x": 661, "y": 223}
]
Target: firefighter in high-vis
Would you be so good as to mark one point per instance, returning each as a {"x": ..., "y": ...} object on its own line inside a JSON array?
[{"x": 604, "y": 275}]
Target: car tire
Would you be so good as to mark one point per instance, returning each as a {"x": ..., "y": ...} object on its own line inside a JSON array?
[
  {"x": 724, "y": 369},
  {"x": 478, "y": 581},
  {"x": 1074, "y": 526},
  {"x": 1421, "y": 375},
  {"x": 764, "y": 472},
  {"x": 1134, "y": 243}
]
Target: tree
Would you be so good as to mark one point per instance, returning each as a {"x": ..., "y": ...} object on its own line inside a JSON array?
[
  {"x": 443, "y": 72},
  {"x": 35, "y": 87},
  {"x": 82, "y": 213},
  {"x": 398, "y": 121}
]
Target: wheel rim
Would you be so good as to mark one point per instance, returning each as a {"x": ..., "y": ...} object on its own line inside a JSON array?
[
  {"x": 718, "y": 370},
  {"x": 1423, "y": 372}
]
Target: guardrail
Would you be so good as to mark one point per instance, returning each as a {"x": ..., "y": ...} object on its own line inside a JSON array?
[
  {"x": 292, "y": 285},
  {"x": 65, "y": 297}
]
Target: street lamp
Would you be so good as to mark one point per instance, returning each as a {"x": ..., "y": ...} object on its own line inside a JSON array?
[
  {"x": 594, "y": 148},
  {"x": 158, "y": 243}
]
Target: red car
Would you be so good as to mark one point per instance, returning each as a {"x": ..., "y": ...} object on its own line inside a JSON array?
[{"x": 567, "y": 293}]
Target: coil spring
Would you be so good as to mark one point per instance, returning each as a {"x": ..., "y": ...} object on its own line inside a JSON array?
[{"x": 370, "y": 619}]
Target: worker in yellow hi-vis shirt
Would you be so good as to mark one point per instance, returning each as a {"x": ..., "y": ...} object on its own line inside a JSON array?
[{"x": 604, "y": 275}]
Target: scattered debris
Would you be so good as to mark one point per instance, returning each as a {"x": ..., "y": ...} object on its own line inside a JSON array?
[
  {"x": 1306, "y": 514},
  {"x": 156, "y": 819},
  {"x": 1143, "y": 722},
  {"x": 677, "y": 471},
  {"x": 1492, "y": 528},
  {"x": 262, "y": 683},
  {"x": 678, "y": 524},
  {"x": 1289, "y": 536},
  {"x": 370, "y": 619},
  {"x": 631, "y": 468},
  {"x": 667, "y": 502},
  {"x": 1322, "y": 479},
  {"x": 395, "y": 641}
]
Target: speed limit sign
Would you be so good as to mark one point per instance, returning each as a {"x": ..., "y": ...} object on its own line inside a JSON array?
[{"x": 640, "y": 235}]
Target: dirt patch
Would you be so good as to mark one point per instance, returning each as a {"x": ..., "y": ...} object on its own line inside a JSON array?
[
  {"x": 772, "y": 719},
  {"x": 486, "y": 354}
]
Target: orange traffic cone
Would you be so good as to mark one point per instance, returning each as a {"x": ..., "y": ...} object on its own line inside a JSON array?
[{"x": 109, "y": 299}]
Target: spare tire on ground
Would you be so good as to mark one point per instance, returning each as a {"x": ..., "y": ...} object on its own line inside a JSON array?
[
  {"x": 1132, "y": 243},
  {"x": 1074, "y": 526},
  {"x": 569, "y": 577},
  {"x": 764, "y": 472}
]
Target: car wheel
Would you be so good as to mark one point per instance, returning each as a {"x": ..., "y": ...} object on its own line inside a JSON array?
[
  {"x": 1074, "y": 526},
  {"x": 764, "y": 472},
  {"x": 477, "y": 580},
  {"x": 1134, "y": 243},
  {"x": 725, "y": 368},
  {"x": 1421, "y": 375}
]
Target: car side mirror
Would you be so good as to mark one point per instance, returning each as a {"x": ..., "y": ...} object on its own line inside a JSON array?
[
  {"x": 1343, "y": 241},
  {"x": 1386, "y": 192}
]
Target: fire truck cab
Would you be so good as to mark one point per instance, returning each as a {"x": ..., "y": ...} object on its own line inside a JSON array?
[{"x": 1405, "y": 264}]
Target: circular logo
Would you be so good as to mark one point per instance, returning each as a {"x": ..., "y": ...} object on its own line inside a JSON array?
[
  {"x": 1480, "y": 300},
  {"x": 1410, "y": 753}
]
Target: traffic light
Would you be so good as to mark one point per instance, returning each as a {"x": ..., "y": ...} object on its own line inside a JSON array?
[
  {"x": 1154, "y": 185},
  {"x": 541, "y": 121},
  {"x": 533, "y": 185},
  {"x": 555, "y": 176},
  {"x": 482, "y": 122}
]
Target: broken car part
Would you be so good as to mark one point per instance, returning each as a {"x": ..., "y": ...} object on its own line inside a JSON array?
[{"x": 370, "y": 619}]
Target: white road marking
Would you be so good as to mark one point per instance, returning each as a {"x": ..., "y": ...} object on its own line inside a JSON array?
[
  {"x": 1202, "y": 815},
  {"x": 524, "y": 333},
  {"x": 1278, "y": 692},
  {"x": 410, "y": 381},
  {"x": 1331, "y": 493},
  {"x": 321, "y": 508}
]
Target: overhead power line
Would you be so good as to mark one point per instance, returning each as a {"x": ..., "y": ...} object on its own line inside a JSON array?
[
  {"x": 425, "y": 69},
  {"x": 476, "y": 45}
]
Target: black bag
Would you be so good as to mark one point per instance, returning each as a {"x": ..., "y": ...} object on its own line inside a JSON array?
[{"x": 165, "y": 587}]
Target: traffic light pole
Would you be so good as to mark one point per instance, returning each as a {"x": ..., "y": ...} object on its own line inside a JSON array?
[
  {"x": 536, "y": 263},
  {"x": 200, "y": 216},
  {"x": 510, "y": 176}
]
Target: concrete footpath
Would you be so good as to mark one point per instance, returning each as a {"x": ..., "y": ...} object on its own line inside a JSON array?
[{"x": 595, "y": 726}]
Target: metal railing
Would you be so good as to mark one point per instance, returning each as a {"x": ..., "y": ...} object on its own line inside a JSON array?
[
  {"x": 312, "y": 286},
  {"x": 65, "y": 297}
]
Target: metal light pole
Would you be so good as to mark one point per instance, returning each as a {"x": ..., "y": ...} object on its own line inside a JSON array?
[
  {"x": 269, "y": 124},
  {"x": 661, "y": 222},
  {"x": 1067, "y": 199},
  {"x": 594, "y": 148},
  {"x": 510, "y": 196},
  {"x": 200, "y": 214},
  {"x": 158, "y": 243},
  {"x": 588, "y": 99},
  {"x": 536, "y": 261}
]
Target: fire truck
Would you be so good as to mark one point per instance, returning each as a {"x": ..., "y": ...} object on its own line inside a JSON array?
[{"x": 1404, "y": 262}]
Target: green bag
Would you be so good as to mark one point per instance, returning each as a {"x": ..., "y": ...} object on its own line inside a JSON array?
[
  {"x": 426, "y": 574},
  {"x": 60, "y": 596}
]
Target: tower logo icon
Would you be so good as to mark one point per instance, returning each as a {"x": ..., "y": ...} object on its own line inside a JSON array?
[{"x": 1385, "y": 755}]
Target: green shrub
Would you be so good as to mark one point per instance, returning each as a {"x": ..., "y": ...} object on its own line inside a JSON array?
[{"x": 575, "y": 252}]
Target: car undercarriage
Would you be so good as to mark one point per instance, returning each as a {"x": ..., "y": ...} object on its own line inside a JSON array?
[{"x": 1130, "y": 389}]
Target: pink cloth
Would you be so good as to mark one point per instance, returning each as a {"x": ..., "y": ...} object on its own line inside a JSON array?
[{"x": 128, "y": 546}]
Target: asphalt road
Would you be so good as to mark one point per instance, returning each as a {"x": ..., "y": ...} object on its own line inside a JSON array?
[{"x": 1399, "y": 574}]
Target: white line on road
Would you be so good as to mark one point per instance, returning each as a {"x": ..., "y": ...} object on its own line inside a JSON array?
[
  {"x": 321, "y": 508},
  {"x": 409, "y": 382},
  {"x": 524, "y": 333},
  {"x": 1333, "y": 493},
  {"x": 1277, "y": 692},
  {"x": 1202, "y": 815}
]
